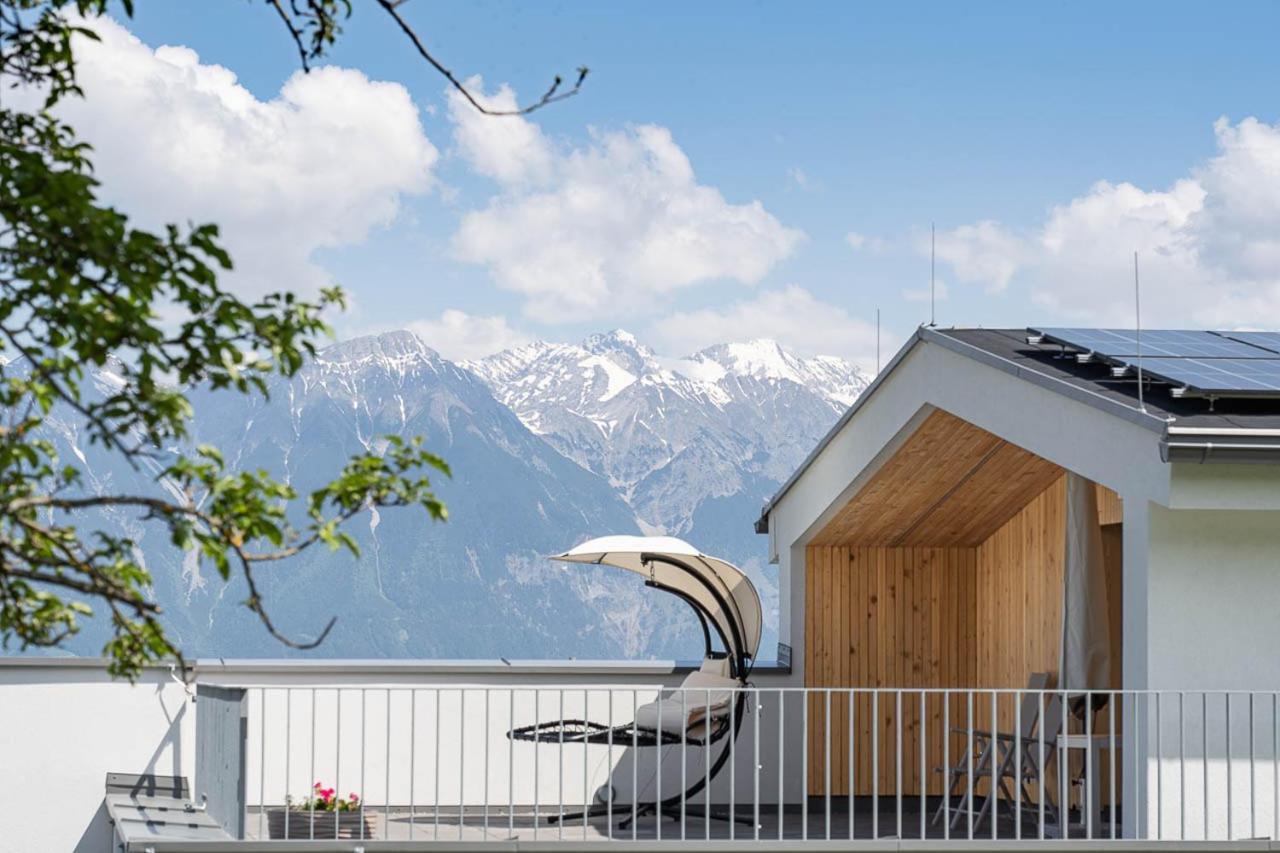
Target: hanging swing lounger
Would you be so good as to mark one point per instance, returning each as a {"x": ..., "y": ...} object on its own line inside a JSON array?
[{"x": 711, "y": 701}]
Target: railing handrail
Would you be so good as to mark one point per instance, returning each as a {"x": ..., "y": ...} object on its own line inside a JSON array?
[{"x": 803, "y": 762}]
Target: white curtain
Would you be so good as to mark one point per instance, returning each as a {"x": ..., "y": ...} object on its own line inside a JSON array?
[{"x": 1086, "y": 627}]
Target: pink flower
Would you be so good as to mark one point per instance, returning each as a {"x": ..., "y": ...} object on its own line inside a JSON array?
[
  {"x": 318, "y": 786},
  {"x": 353, "y": 797}
]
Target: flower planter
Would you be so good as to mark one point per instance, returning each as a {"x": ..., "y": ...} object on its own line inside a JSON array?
[{"x": 307, "y": 824}]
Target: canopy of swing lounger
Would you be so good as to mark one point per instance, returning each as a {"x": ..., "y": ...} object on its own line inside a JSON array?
[{"x": 741, "y": 608}]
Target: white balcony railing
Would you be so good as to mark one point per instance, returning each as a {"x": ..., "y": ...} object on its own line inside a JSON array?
[{"x": 436, "y": 763}]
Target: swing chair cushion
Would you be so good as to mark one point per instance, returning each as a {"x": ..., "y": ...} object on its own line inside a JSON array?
[{"x": 685, "y": 712}]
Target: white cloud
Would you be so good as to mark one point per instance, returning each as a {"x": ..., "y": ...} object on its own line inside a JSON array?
[
  {"x": 458, "y": 336},
  {"x": 319, "y": 165},
  {"x": 984, "y": 253},
  {"x": 607, "y": 229},
  {"x": 861, "y": 242},
  {"x": 791, "y": 315},
  {"x": 798, "y": 177},
  {"x": 1209, "y": 245},
  {"x": 508, "y": 149}
]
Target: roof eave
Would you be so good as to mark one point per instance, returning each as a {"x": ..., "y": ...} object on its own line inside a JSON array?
[
  {"x": 1231, "y": 447},
  {"x": 762, "y": 523},
  {"x": 928, "y": 334}
]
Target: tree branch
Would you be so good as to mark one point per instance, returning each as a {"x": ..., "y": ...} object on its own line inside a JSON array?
[
  {"x": 97, "y": 588},
  {"x": 294, "y": 32},
  {"x": 162, "y": 507},
  {"x": 548, "y": 97},
  {"x": 255, "y": 604}
]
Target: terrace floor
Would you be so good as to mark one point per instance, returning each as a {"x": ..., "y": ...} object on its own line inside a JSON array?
[{"x": 792, "y": 824}]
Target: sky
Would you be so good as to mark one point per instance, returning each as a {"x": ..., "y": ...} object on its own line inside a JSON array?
[{"x": 728, "y": 171}]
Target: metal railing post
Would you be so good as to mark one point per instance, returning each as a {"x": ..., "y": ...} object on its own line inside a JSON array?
[
  {"x": 853, "y": 760},
  {"x": 924, "y": 773},
  {"x": 948, "y": 779},
  {"x": 635, "y": 767},
  {"x": 804, "y": 765},
  {"x": 826, "y": 731},
  {"x": 1042, "y": 763},
  {"x": 994, "y": 756},
  {"x": 1230, "y": 813},
  {"x": 897, "y": 759},
  {"x": 875, "y": 764},
  {"x": 782, "y": 763},
  {"x": 337, "y": 753},
  {"x": 511, "y": 763},
  {"x": 755, "y": 760}
]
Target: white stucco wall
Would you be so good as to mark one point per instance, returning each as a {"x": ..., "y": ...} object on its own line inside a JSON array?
[
  {"x": 61, "y": 731},
  {"x": 1214, "y": 624},
  {"x": 1214, "y": 599}
]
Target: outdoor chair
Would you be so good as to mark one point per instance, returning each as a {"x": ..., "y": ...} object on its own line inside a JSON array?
[
  {"x": 710, "y": 705},
  {"x": 1001, "y": 751}
]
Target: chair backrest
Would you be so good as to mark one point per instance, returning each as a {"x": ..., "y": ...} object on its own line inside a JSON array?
[
  {"x": 1054, "y": 717},
  {"x": 1051, "y": 727},
  {"x": 1031, "y": 702}
]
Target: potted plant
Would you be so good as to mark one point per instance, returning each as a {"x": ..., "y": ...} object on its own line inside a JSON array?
[{"x": 322, "y": 814}]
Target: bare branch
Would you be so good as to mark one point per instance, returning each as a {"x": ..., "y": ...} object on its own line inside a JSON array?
[
  {"x": 294, "y": 32},
  {"x": 392, "y": 7},
  {"x": 255, "y": 604},
  {"x": 549, "y": 97},
  {"x": 158, "y": 506}
]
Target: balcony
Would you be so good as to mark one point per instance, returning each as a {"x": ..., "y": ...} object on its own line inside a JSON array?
[{"x": 434, "y": 766}]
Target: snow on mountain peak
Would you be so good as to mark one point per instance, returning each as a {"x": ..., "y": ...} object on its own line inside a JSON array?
[
  {"x": 761, "y": 358},
  {"x": 622, "y": 348},
  {"x": 673, "y": 433},
  {"x": 836, "y": 380},
  {"x": 392, "y": 346},
  {"x": 618, "y": 336}
]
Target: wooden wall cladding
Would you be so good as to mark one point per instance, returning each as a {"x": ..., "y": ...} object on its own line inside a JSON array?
[
  {"x": 982, "y": 617},
  {"x": 885, "y": 617},
  {"x": 950, "y": 484}
]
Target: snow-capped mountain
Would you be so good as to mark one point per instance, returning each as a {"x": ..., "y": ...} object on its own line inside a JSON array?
[
  {"x": 671, "y": 434},
  {"x": 694, "y": 445},
  {"x": 549, "y": 444}
]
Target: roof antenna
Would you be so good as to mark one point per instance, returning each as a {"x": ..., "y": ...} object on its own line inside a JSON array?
[
  {"x": 932, "y": 246},
  {"x": 877, "y": 341},
  {"x": 1137, "y": 318}
]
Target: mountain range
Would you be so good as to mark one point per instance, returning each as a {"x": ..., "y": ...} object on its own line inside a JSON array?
[{"x": 549, "y": 443}]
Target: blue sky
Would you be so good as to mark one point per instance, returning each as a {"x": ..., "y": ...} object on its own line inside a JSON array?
[{"x": 997, "y": 121}]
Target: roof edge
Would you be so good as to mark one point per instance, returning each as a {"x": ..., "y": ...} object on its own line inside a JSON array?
[
  {"x": 762, "y": 523},
  {"x": 928, "y": 334}
]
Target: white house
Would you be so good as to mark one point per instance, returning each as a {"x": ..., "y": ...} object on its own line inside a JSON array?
[{"x": 921, "y": 543}]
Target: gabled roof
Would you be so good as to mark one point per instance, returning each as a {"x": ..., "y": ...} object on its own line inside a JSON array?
[{"x": 1189, "y": 429}]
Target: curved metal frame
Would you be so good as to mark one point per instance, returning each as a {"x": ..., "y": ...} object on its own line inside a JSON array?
[{"x": 738, "y": 661}]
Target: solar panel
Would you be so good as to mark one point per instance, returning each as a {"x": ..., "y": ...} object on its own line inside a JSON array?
[
  {"x": 1219, "y": 377},
  {"x": 1266, "y": 340},
  {"x": 1122, "y": 344},
  {"x": 1197, "y": 363}
]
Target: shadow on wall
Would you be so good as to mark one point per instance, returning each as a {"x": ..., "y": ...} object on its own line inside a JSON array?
[{"x": 97, "y": 835}]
